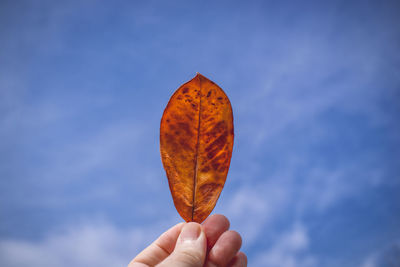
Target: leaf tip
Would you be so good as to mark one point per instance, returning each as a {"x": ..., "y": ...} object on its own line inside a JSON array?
[{"x": 200, "y": 77}]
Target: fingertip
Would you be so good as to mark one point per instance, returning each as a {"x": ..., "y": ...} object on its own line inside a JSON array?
[
  {"x": 181, "y": 224},
  {"x": 240, "y": 260},
  {"x": 214, "y": 227},
  {"x": 225, "y": 248},
  {"x": 237, "y": 237},
  {"x": 242, "y": 257},
  {"x": 190, "y": 249},
  {"x": 190, "y": 232},
  {"x": 217, "y": 219},
  {"x": 168, "y": 239}
]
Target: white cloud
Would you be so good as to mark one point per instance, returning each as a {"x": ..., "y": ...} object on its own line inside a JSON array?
[
  {"x": 370, "y": 261},
  {"x": 89, "y": 244},
  {"x": 252, "y": 209},
  {"x": 289, "y": 250},
  {"x": 387, "y": 256}
]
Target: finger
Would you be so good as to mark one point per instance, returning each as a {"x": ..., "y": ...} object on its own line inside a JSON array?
[
  {"x": 214, "y": 226},
  {"x": 225, "y": 249},
  {"x": 190, "y": 249},
  {"x": 240, "y": 260},
  {"x": 159, "y": 249}
]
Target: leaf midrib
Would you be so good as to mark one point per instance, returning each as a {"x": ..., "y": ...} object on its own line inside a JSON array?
[{"x": 196, "y": 153}]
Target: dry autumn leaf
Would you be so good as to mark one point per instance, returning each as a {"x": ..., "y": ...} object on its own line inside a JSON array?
[{"x": 196, "y": 140}]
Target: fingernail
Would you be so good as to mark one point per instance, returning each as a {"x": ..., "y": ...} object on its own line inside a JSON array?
[{"x": 191, "y": 231}]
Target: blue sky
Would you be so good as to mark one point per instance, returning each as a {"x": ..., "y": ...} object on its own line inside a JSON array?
[{"x": 315, "y": 90}]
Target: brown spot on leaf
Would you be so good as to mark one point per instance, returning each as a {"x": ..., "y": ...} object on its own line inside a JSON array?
[
  {"x": 215, "y": 165},
  {"x": 184, "y": 144},
  {"x": 205, "y": 169},
  {"x": 185, "y": 127}
]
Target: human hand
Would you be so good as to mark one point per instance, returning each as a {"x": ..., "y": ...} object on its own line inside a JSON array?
[{"x": 195, "y": 245}]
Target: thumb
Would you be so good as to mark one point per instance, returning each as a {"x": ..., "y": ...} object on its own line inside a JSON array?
[{"x": 190, "y": 249}]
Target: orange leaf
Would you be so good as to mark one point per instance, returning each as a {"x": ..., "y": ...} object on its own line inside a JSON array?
[{"x": 196, "y": 140}]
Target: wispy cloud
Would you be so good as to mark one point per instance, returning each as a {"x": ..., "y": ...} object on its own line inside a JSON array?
[
  {"x": 291, "y": 249},
  {"x": 88, "y": 244},
  {"x": 385, "y": 257},
  {"x": 254, "y": 209}
]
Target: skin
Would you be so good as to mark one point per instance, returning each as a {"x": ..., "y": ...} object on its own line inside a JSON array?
[{"x": 219, "y": 247}]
